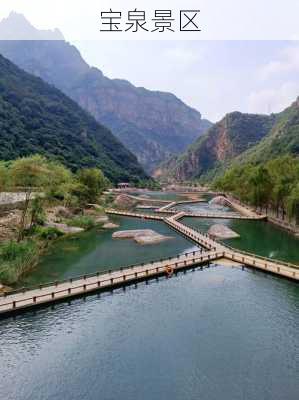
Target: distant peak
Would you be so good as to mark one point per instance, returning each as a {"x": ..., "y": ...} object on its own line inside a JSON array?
[
  {"x": 16, "y": 15},
  {"x": 17, "y": 27}
]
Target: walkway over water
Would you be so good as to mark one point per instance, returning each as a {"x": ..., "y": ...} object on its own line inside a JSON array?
[
  {"x": 53, "y": 292},
  {"x": 108, "y": 280},
  {"x": 281, "y": 268}
]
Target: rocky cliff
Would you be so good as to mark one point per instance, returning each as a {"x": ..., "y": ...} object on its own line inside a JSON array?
[{"x": 233, "y": 135}]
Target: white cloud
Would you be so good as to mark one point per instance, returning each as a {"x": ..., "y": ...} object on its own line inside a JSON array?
[
  {"x": 273, "y": 99},
  {"x": 184, "y": 56},
  {"x": 287, "y": 63}
]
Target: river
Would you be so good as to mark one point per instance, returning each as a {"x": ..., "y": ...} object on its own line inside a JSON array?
[{"x": 221, "y": 333}]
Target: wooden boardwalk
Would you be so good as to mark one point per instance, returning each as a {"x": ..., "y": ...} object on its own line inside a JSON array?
[
  {"x": 23, "y": 299},
  {"x": 242, "y": 211},
  {"x": 219, "y": 215},
  {"x": 226, "y": 215},
  {"x": 210, "y": 251},
  {"x": 281, "y": 268},
  {"x": 135, "y": 215}
]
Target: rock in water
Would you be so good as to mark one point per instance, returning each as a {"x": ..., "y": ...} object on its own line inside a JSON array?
[
  {"x": 124, "y": 202},
  {"x": 130, "y": 234},
  {"x": 141, "y": 236},
  {"x": 218, "y": 201},
  {"x": 110, "y": 225},
  {"x": 222, "y": 232},
  {"x": 101, "y": 220}
]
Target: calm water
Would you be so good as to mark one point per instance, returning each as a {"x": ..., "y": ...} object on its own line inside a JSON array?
[
  {"x": 96, "y": 250},
  {"x": 171, "y": 196},
  {"x": 204, "y": 207},
  {"x": 217, "y": 334},
  {"x": 256, "y": 237}
]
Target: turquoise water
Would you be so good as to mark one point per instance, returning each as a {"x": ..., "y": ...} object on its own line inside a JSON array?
[
  {"x": 257, "y": 237},
  {"x": 171, "y": 196},
  {"x": 217, "y": 334},
  {"x": 203, "y": 207},
  {"x": 96, "y": 250}
]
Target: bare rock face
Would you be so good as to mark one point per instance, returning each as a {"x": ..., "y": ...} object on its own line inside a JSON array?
[
  {"x": 124, "y": 202},
  {"x": 222, "y": 232},
  {"x": 141, "y": 236},
  {"x": 219, "y": 201},
  {"x": 225, "y": 140}
]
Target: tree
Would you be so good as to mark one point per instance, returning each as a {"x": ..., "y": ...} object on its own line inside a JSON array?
[
  {"x": 261, "y": 185},
  {"x": 38, "y": 178},
  {"x": 91, "y": 183},
  {"x": 284, "y": 173},
  {"x": 293, "y": 204},
  {"x": 60, "y": 181},
  {"x": 4, "y": 177}
]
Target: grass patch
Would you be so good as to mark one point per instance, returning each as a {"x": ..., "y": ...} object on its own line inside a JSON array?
[
  {"x": 48, "y": 233},
  {"x": 82, "y": 221},
  {"x": 16, "y": 259}
]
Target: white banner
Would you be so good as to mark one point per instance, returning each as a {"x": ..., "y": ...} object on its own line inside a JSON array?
[{"x": 153, "y": 20}]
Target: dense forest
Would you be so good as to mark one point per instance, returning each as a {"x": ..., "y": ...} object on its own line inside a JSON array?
[
  {"x": 37, "y": 118},
  {"x": 271, "y": 185}
]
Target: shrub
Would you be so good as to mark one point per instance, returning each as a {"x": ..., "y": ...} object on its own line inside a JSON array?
[
  {"x": 48, "y": 233},
  {"x": 82, "y": 221},
  {"x": 12, "y": 250},
  {"x": 16, "y": 259}
]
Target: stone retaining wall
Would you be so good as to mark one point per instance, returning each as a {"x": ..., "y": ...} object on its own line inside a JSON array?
[{"x": 11, "y": 201}]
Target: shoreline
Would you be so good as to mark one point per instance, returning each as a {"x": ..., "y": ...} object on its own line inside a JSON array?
[
  {"x": 47, "y": 244},
  {"x": 294, "y": 230}
]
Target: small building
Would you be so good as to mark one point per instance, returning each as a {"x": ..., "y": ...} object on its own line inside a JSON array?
[{"x": 124, "y": 185}]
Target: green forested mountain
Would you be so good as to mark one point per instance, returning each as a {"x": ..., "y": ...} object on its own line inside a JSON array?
[
  {"x": 154, "y": 125},
  {"x": 282, "y": 139},
  {"x": 37, "y": 118},
  {"x": 233, "y": 135}
]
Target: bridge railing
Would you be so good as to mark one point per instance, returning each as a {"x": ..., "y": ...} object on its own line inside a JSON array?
[
  {"x": 269, "y": 260},
  {"x": 100, "y": 283},
  {"x": 258, "y": 257},
  {"x": 102, "y": 272}
]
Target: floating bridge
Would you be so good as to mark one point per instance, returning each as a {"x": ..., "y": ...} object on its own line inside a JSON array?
[{"x": 210, "y": 251}]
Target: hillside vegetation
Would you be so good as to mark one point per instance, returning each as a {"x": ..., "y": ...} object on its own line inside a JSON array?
[
  {"x": 37, "y": 118},
  {"x": 273, "y": 184},
  {"x": 282, "y": 139},
  {"x": 209, "y": 155},
  {"x": 154, "y": 125}
]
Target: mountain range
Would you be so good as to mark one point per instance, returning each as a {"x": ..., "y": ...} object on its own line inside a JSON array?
[
  {"x": 35, "y": 117},
  {"x": 237, "y": 138},
  {"x": 154, "y": 125}
]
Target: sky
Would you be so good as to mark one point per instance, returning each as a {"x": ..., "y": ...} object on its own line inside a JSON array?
[{"x": 214, "y": 76}]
